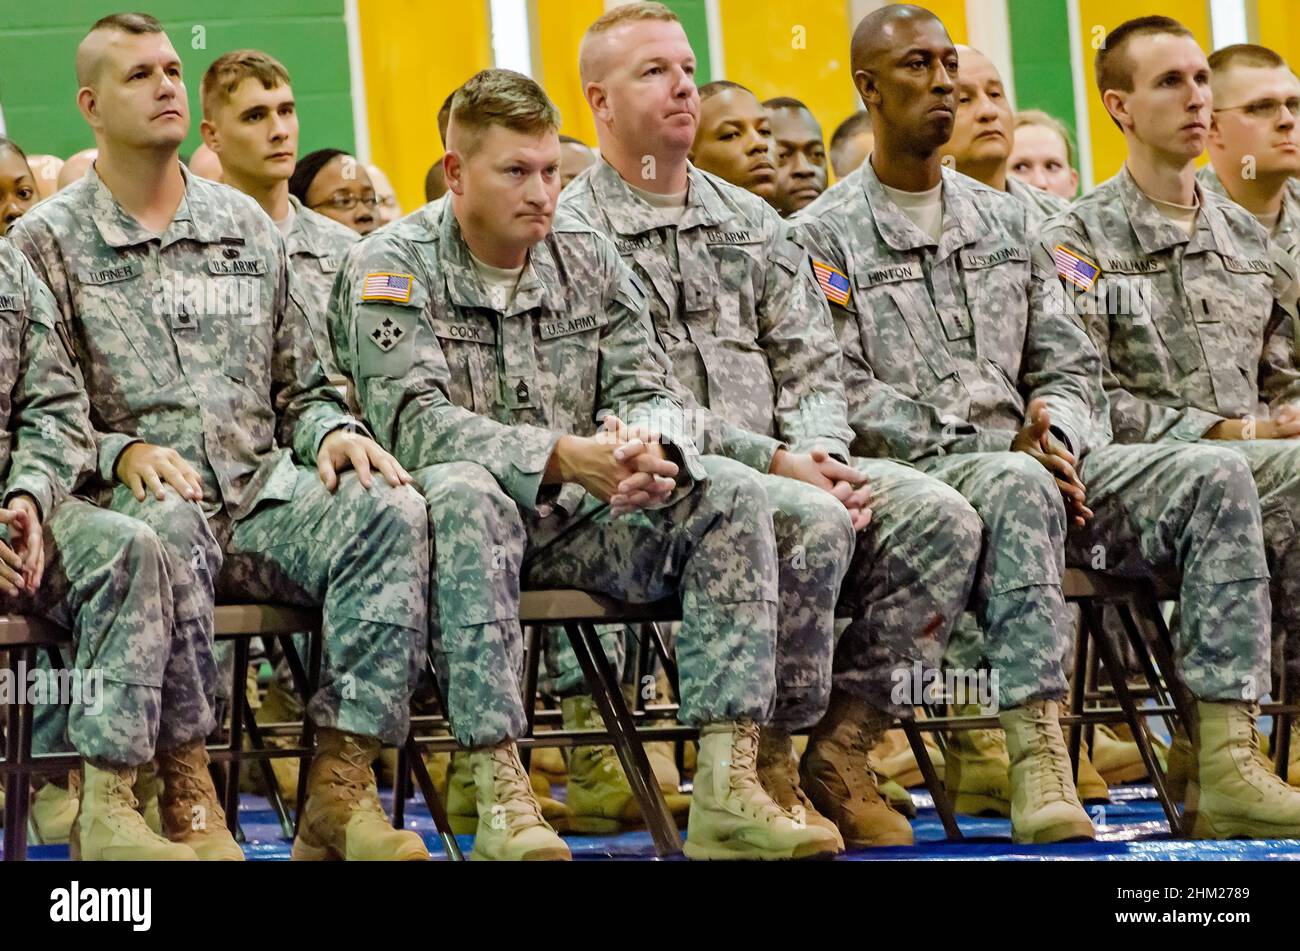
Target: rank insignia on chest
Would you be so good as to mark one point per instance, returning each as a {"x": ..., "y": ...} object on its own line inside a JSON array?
[{"x": 387, "y": 335}]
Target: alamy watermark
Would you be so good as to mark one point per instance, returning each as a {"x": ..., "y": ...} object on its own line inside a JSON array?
[{"x": 917, "y": 685}]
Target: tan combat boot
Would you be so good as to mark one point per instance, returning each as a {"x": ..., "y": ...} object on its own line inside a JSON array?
[
  {"x": 1180, "y": 768},
  {"x": 977, "y": 769},
  {"x": 1118, "y": 760},
  {"x": 893, "y": 759},
  {"x": 732, "y": 817},
  {"x": 462, "y": 800},
  {"x": 1044, "y": 804},
  {"x": 108, "y": 828},
  {"x": 837, "y": 775},
  {"x": 188, "y": 806},
  {"x": 778, "y": 771},
  {"x": 1236, "y": 793},
  {"x": 598, "y": 792},
  {"x": 343, "y": 818},
  {"x": 1090, "y": 786},
  {"x": 53, "y": 809},
  {"x": 146, "y": 791},
  {"x": 510, "y": 825}
]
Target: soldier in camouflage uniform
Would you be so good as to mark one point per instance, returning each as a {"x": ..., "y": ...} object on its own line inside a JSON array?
[
  {"x": 1254, "y": 145},
  {"x": 250, "y": 122},
  {"x": 966, "y": 362},
  {"x": 1192, "y": 308},
  {"x": 977, "y": 763},
  {"x": 202, "y": 374},
  {"x": 736, "y": 305},
  {"x": 104, "y": 576},
  {"x": 496, "y": 374}
]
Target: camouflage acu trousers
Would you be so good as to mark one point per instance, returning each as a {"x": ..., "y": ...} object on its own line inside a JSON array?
[
  {"x": 714, "y": 547},
  {"x": 359, "y": 555},
  {"x": 1275, "y": 465},
  {"x": 107, "y": 579},
  {"x": 814, "y": 539},
  {"x": 1017, "y": 597},
  {"x": 911, "y": 577},
  {"x": 1192, "y": 508}
]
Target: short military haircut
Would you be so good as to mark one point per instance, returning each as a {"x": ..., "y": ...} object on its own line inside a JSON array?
[
  {"x": 1114, "y": 68},
  {"x": 230, "y": 69},
  {"x": 1040, "y": 118},
  {"x": 854, "y": 125},
  {"x": 444, "y": 117},
  {"x": 136, "y": 24},
  {"x": 624, "y": 13},
  {"x": 785, "y": 102},
  {"x": 500, "y": 97},
  {"x": 570, "y": 140},
  {"x": 719, "y": 86},
  {"x": 1245, "y": 54}
]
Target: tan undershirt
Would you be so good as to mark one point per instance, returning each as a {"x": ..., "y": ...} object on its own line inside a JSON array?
[{"x": 923, "y": 209}]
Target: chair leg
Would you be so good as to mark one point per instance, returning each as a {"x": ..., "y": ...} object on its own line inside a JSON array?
[
  {"x": 1159, "y": 685},
  {"x": 1078, "y": 689},
  {"x": 312, "y": 676},
  {"x": 18, "y": 748},
  {"x": 608, "y": 695},
  {"x": 401, "y": 783},
  {"x": 532, "y": 661},
  {"x": 1282, "y": 745},
  {"x": 268, "y": 775},
  {"x": 238, "y": 689},
  {"x": 938, "y": 792},
  {"x": 433, "y": 801},
  {"x": 1114, "y": 666}
]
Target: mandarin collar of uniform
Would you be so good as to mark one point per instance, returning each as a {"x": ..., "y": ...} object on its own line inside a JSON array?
[
  {"x": 197, "y": 217},
  {"x": 303, "y": 238},
  {"x": 960, "y": 215},
  {"x": 1290, "y": 223},
  {"x": 630, "y": 215},
  {"x": 536, "y": 286},
  {"x": 1157, "y": 233}
]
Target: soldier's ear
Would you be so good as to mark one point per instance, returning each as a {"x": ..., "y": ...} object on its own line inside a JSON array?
[
  {"x": 453, "y": 168},
  {"x": 865, "y": 82},
  {"x": 1116, "y": 104},
  {"x": 209, "y": 134},
  {"x": 88, "y": 106},
  {"x": 598, "y": 100}
]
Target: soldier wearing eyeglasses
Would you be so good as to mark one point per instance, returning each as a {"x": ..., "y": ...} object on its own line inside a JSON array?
[
  {"x": 337, "y": 186},
  {"x": 1254, "y": 145}
]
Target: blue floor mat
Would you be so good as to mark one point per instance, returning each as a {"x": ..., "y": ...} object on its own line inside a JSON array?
[{"x": 1130, "y": 828}]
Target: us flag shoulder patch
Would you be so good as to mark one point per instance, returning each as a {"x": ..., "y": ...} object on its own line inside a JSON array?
[
  {"x": 1075, "y": 268},
  {"x": 390, "y": 287},
  {"x": 834, "y": 284}
]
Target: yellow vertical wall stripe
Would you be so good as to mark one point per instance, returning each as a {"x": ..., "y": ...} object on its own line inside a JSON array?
[
  {"x": 413, "y": 56},
  {"x": 1095, "y": 16},
  {"x": 557, "y": 27},
  {"x": 1278, "y": 29},
  {"x": 792, "y": 49}
]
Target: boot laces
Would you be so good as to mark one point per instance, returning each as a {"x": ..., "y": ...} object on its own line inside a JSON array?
[
  {"x": 121, "y": 798},
  {"x": 189, "y": 783},
  {"x": 743, "y": 775},
  {"x": 353, "y": 777},
  {"x": 511, "y": 790},
  {"x": 1054, "y": 780}
]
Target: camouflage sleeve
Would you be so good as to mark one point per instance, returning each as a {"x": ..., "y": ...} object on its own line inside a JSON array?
[
  {"x": 797, "y": 335},
  {"x": 404, "y": 383},
  {"x": 54, "y": 448},
  {"x": 1132, "y": 418},
  {"x": 1279, "y": 365},
  {"x": 307, "y": 407},
  {"x": 1061, "y": 366},
  {"x": 886, "y": 422},
  {"x": 635, "y": 373},
  {"x": 42, "y": 252}
]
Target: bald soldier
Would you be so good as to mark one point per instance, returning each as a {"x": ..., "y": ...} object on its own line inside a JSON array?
[
  {"x": 1254, "y": 142},
  {"x": 983, "y": 139},
  {"x": 1193, "y": 307},
  {"x": 210, "y": 405},
  {"x": 736, "y": 304},
  {"x": 964, "y": 360},
  {"x": 984, "y": 135},
  {"x": 104, "y": 576},
  {"x": 516, "y": 359}
]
